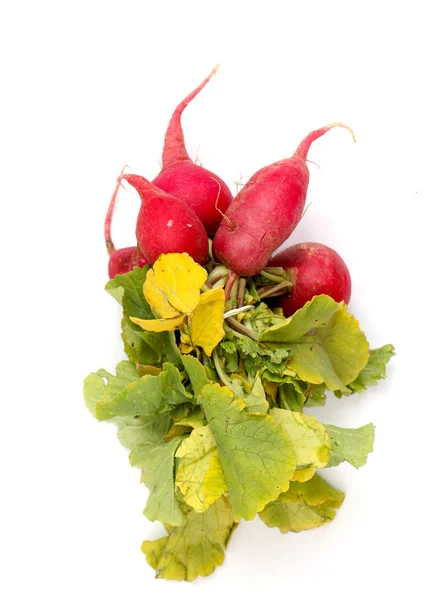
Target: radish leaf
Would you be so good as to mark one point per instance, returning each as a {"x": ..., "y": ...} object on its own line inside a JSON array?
[
  {"x": 256, "y": 454},
  {"x": 304, "y": 506},
  {"x": 195, "y": 548}
]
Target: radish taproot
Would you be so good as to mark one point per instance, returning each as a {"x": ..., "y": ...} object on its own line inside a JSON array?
[
  {"x": 122, "y": 260},
  {"x": 313, "y": 269},
  {"x": 204, "y": 191},
  {"x": 266, "y": 211},
  {"x": 166, "y": 224}
]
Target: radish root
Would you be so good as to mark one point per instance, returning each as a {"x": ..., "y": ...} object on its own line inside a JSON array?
[{"x": 109, "y": 216}]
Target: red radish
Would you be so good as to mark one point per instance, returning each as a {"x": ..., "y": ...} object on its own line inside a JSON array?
[
  {"x": 180, "y": 177},
  {"x": 266, "y": 211},
  {"x": 120, "y": 261},
  {"x": 123, "y": 260},
  {"x": 137, "y": 258},
  {"x": 313, "y": 269},
  {"x": 166, "y": 224}
]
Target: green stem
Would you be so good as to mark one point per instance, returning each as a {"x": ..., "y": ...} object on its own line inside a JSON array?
[
  {"x": 234, "y": 324},
  {"x": 241, "y": 292},
  {"x": 219, "y": 283},
  {"x": 276, "y": 290},
  {"x": 216, "y": 274},
  {"x": 234, "y": 294},
  {"x": 277, "y": 275},
  {"x": 221, "y": 373}
]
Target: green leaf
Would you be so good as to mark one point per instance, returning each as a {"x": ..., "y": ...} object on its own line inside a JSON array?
[
  {"x": 156, "y": 462},
  {"x": 195, "y": 548},
  {"x": 139, "y": 346},
  {"x": 375, "y": 369},
  {"x": 181, "y": 411},
  {"x": 258, "y": 357},
  {"x": 230, "y": 355},
  {"x": 171, "y": 352},
  {"x": 326, "y": 342},
  {"x": 126, "y": 373},
  {"x": 256, "y": 401},
  {"x": 291, "y": 396},
  {"x": 102, "y": 386},
  {"x": 257, "y": 456},
  {"x": 93, "y": 391},
  {"x": 196, "y": 418},
  {"x": 262, "y": 317},
  {"x": 316, "y": 395},
  {"x": 139, "y": 430},
  {"x": 304, "y": 506},
  {"x": 127, "y": 289},
  {"x": 150, "y": 395},
  {"x": 196, "y": 373},
  {"x": 309, "y": 437},
  {"x": 352, "y": 445},
  {"x": 199, "y": 476}
]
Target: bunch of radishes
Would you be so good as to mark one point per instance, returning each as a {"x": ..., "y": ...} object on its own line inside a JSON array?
[{"x": 186, "y": 204}]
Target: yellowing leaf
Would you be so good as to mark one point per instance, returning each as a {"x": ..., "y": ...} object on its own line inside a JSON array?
[
  {"x": 326, "y": 342},
  {"x": 311, "y": 441},
  {"x": 206, "y": 323},
  {"x": 303, "y": 506},
  {"x": 172, "y": 286},
  {"x": 302, "y": 475},
  {"x": 256, "y": 454},
  {"x": 199, "y": 476},
  {"x": 195, "y": 548},
  {"x": 256, "y": 401},
  {"x": 159, "y": 324},
  {"x": 195, "y": 418}
]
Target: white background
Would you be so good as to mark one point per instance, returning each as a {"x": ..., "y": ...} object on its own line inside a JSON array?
[{"x": 90, "y": 86}]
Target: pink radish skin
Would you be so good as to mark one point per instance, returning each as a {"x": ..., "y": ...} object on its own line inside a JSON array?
[
  {"x": 180, "y": 177},
  {"x": 266, "y": 211},
  {"x": 166, "y": 224},
  {"x": 124, "y": 260},
  {"x": 313, "y": 269},
  {"x": 137, "y": 258}
]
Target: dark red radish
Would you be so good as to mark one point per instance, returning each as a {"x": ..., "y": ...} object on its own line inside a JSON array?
[
  {"x": 266, "y": 211},
  {"x": 125, "y": 259},
  {"x": 182, "y": 178},
  {"x": 166, "y": 224},
  {"x": 313, "y": 269},
  {"x": 137, "y": 259},
  {"x": 120, "y": 261}
]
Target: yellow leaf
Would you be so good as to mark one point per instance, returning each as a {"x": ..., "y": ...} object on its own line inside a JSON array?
[
  {"x": 206, "y": 323},
  {"x": 159, "y": 324},
  {"x": 271, "y": 389},
  {"x": 147, "y": 370},
  {"x": 302, "y": 475},
  {"x": 310, "y": 439},
  {"x": 185, "y": 345},
  {"x": 186, "y": 348},
  {"x": 304, "y": 506},
  {"x": 196, "y": 547},
  {"x": 172, "y": 286},
  {"x": 200, "y": 475}
]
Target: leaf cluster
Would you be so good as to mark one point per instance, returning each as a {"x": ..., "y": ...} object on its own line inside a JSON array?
[{"x": 212, "y": 411}]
